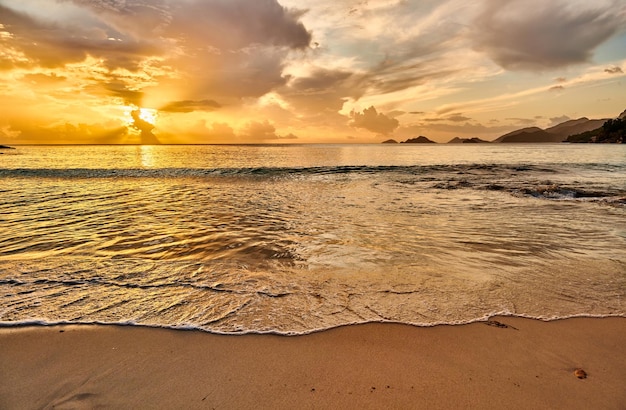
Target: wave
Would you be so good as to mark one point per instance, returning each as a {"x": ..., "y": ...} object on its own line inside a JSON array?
[
  {"x": 528, "y": 180},
  {"x": 215, "y": 298},
  {"x": 487, "y": 319},
  {"x": 543, "y": 190},
  {"x": 258, "y": 171}
]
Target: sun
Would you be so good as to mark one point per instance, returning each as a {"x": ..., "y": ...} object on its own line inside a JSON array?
[{"x": 148, "y": 115}]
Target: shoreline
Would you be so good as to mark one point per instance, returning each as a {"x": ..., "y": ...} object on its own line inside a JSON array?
[
  {"x": 527, "y": 364},
  {"x": 490, "y": 320}
]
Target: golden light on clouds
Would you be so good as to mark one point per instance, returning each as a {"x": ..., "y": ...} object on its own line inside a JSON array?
[
  {"x": 150, "y": 71},
  {"x": 148, "y": 115}
]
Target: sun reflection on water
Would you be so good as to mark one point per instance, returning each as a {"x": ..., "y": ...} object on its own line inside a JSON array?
[{"x": 146, "y": 156}]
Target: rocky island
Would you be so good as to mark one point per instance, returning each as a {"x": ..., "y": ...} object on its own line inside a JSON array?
[
  {"x": 581, "y": 130},
  {"x": 418, "y": 140},
  {"x": 474, "y": 140}
]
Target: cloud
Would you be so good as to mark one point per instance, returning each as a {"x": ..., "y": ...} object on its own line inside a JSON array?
[
  {"x": 262, "y": 130},
  {"x": 540, "y": 35},
  {"x": 217, "y": 132},
  {"x": 457, "y": 118},
  {"x": 236, "y": 24},
  {"x": 373, "y": 121},
  {"x": 232, "y": 50},
  {"x": 558, "y": 120},
  {"x": 119, "y": 89},
  {"x": 201, "y": 49},
  {"x": 44, "y": 79},
  {"x": 187, "y": 106},
  {"x": 73, "y": 61},
  {"x": 255, "y": 130},
  {"x": 147, "y": 137},
  {"x": 556, "y": 88},
  {"x": 42, "y": 39},
  {"x": 400, "y": 73},
  {"x": 222, "y": 131},
  {"x": 390, "y": 45},
  {"x": 6, "y": 132},
  {"x": 321, "y": 90},
  {"x": 523, "y": 121},
  {"x": 395, "y": 113},
  {"x": 27, "y": 131}
]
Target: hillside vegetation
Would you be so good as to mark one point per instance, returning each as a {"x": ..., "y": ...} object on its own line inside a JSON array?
[{"x": 613, "y": 131}]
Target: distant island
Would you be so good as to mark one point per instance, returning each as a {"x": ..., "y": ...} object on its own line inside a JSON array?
[
  {"x": 581, "y": 130},
  {"x": 5, "y": 147},
  {"x": 474, "y": 140},
  {"x": 418, "y": 140}
]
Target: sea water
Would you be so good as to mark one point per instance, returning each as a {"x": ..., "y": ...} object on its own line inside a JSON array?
[{"x": 292, "y": 239}]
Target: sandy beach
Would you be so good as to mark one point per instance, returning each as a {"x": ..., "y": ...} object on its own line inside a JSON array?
[{"x": 527, "y": 364}]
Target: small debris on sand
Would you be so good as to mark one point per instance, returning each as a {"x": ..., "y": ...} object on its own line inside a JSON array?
[
  {"x": 580, "y": 373},
  {"x": 500, "y": 325}
]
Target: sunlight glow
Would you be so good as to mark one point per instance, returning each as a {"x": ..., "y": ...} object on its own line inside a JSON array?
[{"x": 148, "y": 115}]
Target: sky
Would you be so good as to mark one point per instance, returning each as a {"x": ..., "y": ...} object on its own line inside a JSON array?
[{"x": 304, "y": 71}]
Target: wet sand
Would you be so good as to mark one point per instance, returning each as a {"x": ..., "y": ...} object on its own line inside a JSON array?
[{"x": 529, "y": 364}]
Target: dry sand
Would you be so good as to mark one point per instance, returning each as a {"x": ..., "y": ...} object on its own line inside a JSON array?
[{"x": 528, "y": 365}]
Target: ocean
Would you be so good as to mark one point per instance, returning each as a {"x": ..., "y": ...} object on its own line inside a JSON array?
[{"x": 293, "y": 239}]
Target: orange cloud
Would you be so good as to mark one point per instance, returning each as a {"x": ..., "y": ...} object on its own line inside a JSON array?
[{"x": 374, "y": 121}]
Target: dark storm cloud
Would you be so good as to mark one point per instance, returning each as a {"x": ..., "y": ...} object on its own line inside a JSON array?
[
  {"x": 539, "y": 35},
  {"x": 187, "y": 106}
]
